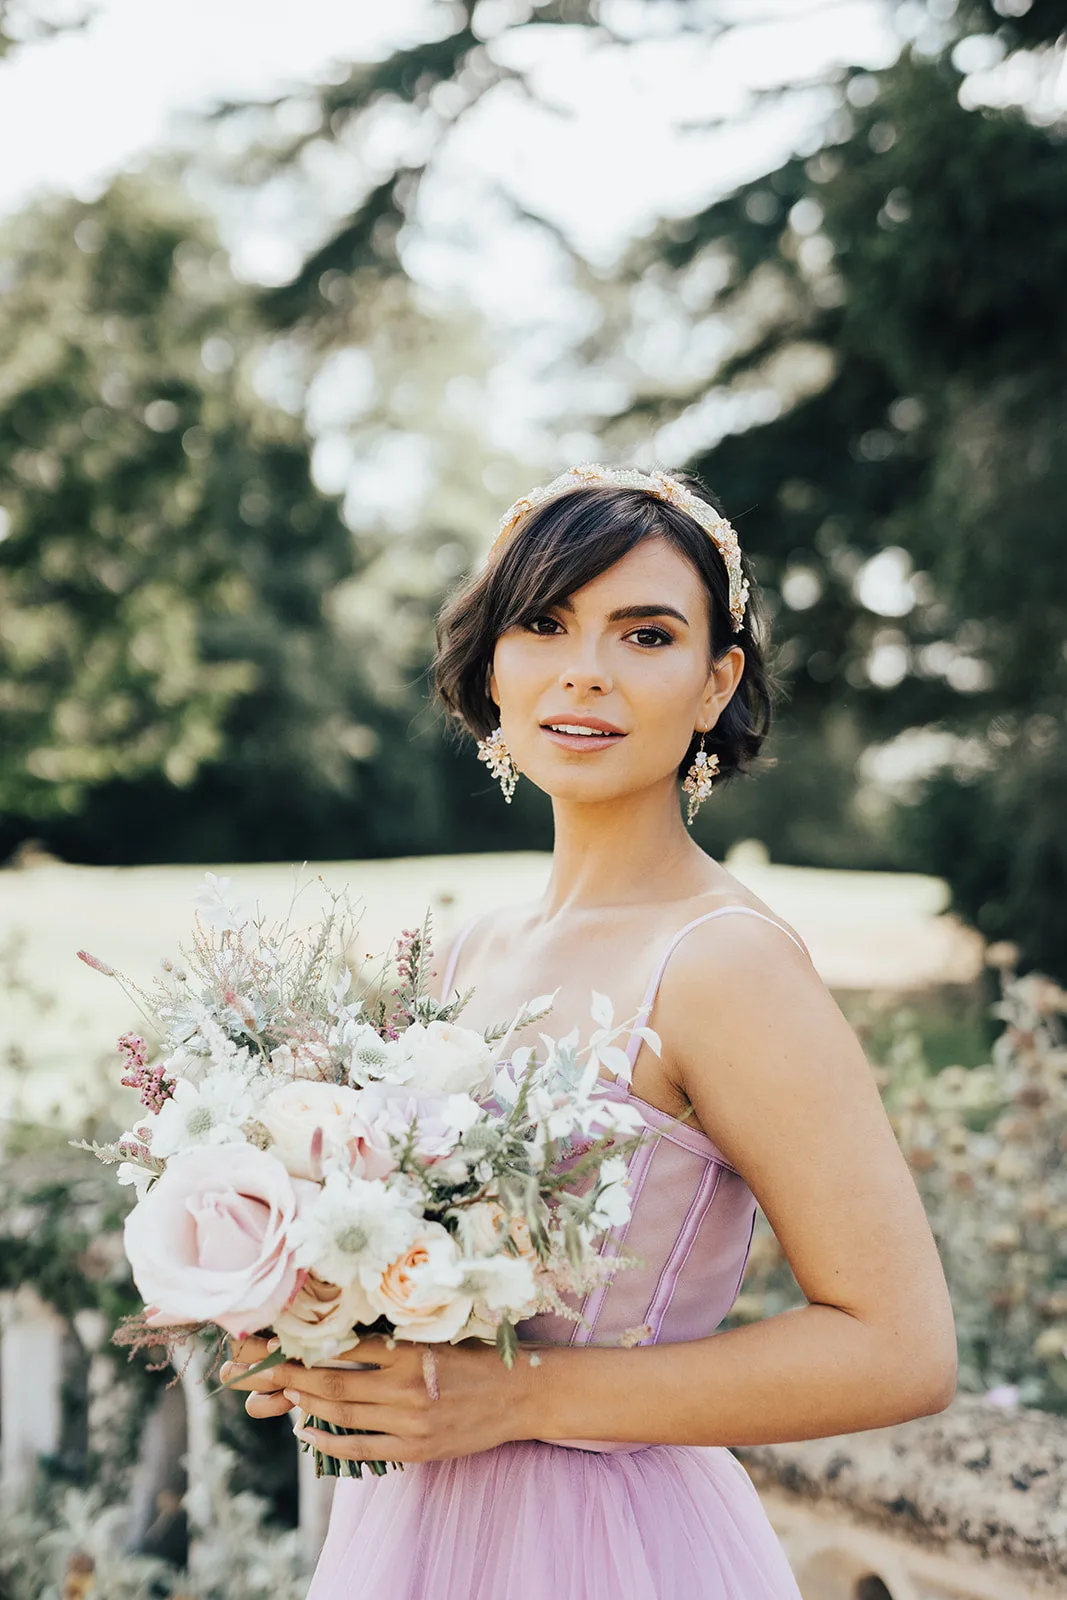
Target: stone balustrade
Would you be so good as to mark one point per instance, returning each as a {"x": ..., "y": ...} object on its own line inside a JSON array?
[{"x": 968, "y": 1504}]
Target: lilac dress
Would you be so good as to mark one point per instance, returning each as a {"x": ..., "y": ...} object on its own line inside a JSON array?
[{"x": 590, "y": 1520}]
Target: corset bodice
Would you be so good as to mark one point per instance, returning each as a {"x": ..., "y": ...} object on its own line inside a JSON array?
[{"x": 690, "y": 1227}]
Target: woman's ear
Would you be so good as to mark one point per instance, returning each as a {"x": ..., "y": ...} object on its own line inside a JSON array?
[
  {"x": 490, "y": 688},
  {"x": 723, "y": 679}
]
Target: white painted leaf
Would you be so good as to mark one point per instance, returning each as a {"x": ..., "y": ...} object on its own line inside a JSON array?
[
  {"x": 651, "y": 1038},
  {"x": 616, "y": 1061},
  {"x": 602, "y": 1010}
]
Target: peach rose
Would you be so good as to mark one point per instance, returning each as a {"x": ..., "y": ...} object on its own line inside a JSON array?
[
  {"x": 210, "y": 1240},
  {"x": 317, "y": 1323},
  {"x": 422, "y": 1292}
]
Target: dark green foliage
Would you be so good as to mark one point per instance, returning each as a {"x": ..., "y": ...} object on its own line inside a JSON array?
[
  {"x": 921, "y": 253},
  {"x": 165, "y": 649}
]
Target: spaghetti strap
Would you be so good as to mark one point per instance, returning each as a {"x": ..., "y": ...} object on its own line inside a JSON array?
[
  {"x": 653, "y": 988},
  {"x": 453, "y": 955}
]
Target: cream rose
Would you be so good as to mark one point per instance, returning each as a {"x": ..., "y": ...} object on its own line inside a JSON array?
[
  {"x": 447, "y": 1059},
  {"x": 317, "y": 1323},
  {"x": 293, "y": 1111},
  {"x": 422, "y": 1292},
  {"x": 209, "y": 1242}
]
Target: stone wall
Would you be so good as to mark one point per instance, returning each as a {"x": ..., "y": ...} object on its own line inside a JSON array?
[{"x": 968, "y": 1504}]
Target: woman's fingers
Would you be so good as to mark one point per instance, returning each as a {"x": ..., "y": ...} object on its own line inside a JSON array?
[
  {"x": 359, "y": 1446},
  {"x": 349, "y": 1414},
  {"x": 267, "y": 1405},
  {"x": 234, "y": 1375}
]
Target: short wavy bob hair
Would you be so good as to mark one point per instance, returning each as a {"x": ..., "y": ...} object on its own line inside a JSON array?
[{"x": 561, "y": 546}]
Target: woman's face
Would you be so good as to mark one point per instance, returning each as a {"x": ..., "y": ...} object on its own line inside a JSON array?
[{"x": 626, "y": 655}]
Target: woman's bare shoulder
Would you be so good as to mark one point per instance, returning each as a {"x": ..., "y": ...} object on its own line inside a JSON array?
[
  {"x": 477, "y": 932},
  {"x": 728, "y": 894}
]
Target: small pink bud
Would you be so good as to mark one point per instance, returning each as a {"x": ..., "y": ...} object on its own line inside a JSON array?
[{"x": 96, "y": 963}]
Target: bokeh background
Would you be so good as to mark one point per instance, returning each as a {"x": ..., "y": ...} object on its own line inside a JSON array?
[{"x": 295, "y": 298}]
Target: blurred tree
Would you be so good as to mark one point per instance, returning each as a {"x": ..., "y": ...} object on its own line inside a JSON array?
[
  {"x": 165, "y": 557},
  {"x": 891, "y": 316}
]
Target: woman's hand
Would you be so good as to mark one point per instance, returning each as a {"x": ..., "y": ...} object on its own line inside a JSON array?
[
  {"x": 479, "y": 1403},
  {"x": 266, "y": 1399}
]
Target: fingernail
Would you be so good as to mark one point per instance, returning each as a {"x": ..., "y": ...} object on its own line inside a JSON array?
[
  {"x": 307, "y": 1434},
  {"x": 274, "y": 1344},
  {"x": 225, "y": 1370},
  {"x": 292, "y": 1396}
]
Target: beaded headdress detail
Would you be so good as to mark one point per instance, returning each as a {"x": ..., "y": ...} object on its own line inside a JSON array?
[{"x": 664, "y": 487}]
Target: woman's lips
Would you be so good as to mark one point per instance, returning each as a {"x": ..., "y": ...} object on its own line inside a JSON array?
[{"x": 583, "y": 741}]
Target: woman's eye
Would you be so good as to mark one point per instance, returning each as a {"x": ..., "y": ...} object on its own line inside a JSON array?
[
  {"x": 651, "y": 636},
  {"x": 535, "y": 624}
]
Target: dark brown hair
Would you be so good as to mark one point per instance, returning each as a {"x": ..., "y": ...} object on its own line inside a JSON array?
[{"x": 565, "y": 544}]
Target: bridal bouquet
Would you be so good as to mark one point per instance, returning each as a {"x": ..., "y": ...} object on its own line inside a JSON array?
[{"x": 324, "y": 1157}]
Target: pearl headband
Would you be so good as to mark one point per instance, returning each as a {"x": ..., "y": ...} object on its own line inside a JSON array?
[{"x": 664, "y": 487}]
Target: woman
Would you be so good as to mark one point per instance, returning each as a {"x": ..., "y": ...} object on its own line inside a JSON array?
[{"x": 612, "y": 644}]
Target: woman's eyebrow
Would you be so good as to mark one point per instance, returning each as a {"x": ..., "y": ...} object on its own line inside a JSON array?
[{"x": 634, "y": 613}]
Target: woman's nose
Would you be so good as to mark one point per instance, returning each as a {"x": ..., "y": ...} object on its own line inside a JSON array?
[{"x": 586, "y": 675}]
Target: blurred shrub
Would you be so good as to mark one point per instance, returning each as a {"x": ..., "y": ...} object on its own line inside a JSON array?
[{"x": 70, "y": 1545}]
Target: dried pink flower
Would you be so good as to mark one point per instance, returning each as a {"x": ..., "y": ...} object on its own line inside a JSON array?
[{"x": 96, "y": 964}]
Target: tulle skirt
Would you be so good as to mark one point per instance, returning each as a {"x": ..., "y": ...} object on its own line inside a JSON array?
[{"x": 533, "y": 1521}]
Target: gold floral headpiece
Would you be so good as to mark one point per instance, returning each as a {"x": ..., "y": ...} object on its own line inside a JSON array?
[{"x": 664, "y": 487}]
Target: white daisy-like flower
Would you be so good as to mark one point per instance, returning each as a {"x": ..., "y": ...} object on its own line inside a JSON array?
[
  {"x": 132, "y": 1172},
  {"x": 211, "y": 1112},
  {"x": 354, "y": 1223},
  {"x": 372, "y": 1059}
]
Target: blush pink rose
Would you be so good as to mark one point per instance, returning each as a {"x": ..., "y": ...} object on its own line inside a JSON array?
[{"x": 210, "y": 1240}]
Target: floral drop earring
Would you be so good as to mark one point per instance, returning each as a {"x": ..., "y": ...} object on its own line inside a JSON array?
[
  {"x": 496, "y": 755},
  {"x": 697, "y": 783}
]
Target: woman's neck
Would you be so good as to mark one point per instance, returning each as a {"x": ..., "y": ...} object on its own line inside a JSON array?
[{"x": 623, "y": 852}]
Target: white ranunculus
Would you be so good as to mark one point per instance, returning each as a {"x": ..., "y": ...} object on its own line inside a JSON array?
[
  {"x": 293, "y": 1111},
  {"x": 447, "y": 1059},
  {"x": 422, "y": 1291},
  {"x": 211, "y": 1112}
]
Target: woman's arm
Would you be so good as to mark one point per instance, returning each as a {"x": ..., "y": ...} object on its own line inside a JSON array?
[{"x": 778, "y": 1080}]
